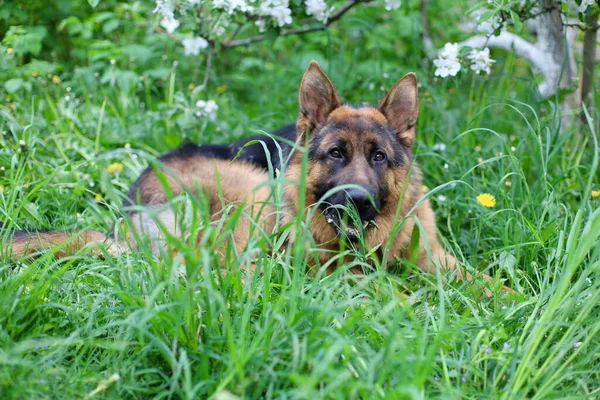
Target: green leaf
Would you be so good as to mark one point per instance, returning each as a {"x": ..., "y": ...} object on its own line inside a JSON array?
[
  {"x": 414, "y": 244},
  {"x": 271, "y": 35},
  {"x": 12, "y": 85},
  {"x": 486, "y": 15},
  {"x": 516, "y": 21},
  {"x": 93, "y": 3},
  {"x": 110, "y": 26}
]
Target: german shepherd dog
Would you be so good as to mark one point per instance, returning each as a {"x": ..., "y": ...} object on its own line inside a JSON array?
[{"x": 359, "y": 158}]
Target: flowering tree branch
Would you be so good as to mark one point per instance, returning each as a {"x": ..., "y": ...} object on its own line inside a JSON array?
[
  {"x": 547, "y": 56},
  {"x": 534, "y": 55},
  {"x": 298, "y": 31}
]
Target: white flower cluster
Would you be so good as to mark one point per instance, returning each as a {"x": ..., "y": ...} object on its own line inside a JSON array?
[
  {"x": 480, "y": 60},
  {"x": 490, "y": 25},
  {"x": 447, "y": 63},
  {"x": 166, "y": 9},
  {"x": 193, "y": 45},
  {"x": 231, "y": 6},
  {"x": 264, "y": 12},
  {"x": 319, "y": 9},
  {"x": 279, "y": 10},
  {"x": 391, "y": 5},
  {"x": 208, "y": 108}
]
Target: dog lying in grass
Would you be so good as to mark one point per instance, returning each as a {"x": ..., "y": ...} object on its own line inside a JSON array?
[{"x": 357, "y": 170}]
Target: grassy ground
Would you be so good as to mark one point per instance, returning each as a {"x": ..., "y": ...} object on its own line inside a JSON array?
[{"x": 176, "y": 328}]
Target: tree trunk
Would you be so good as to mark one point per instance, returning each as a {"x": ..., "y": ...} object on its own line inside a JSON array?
[{"x": 589, "y": 63}]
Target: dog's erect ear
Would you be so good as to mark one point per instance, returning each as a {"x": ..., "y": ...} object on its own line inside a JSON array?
[
  {"x": 401, "y": 108},
  {"x": 317, "y": 98}
]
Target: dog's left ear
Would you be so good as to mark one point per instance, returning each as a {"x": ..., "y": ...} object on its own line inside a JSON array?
[{"x": 401, "y": 108}]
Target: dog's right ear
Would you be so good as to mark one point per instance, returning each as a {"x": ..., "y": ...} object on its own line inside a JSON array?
[{"x": 317, "y": 99}]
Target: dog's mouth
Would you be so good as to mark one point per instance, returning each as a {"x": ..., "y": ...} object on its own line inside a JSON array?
[{"x": 351, "y": 228}]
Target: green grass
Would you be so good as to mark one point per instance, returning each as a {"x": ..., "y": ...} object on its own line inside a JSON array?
[{"x": 176, "y": 327}]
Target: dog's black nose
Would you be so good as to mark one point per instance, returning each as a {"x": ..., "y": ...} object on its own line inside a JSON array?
[{"x": 363, "y": 203}]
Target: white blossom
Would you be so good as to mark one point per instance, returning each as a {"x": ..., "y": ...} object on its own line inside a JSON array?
[
  {"x": 585, "y": 4},
  {"x": 224, "y": 4},
  {"x": 450, "y": 51},
  {"x": 319, "y": 9},
  {"x": 192, "y": 46},
  {"x": 164, "y": 8},
  {"x": 262, "y": 25},
  {"x": 480, "y": 60},
  {"x": 439, "y": 147},
  {"x": 209, "y": 108},
  {"x": 233, "y": 5},
  {"x": 169, "y": 23},
  {"x": 278, "y": 10},
  {"x": 391, "y": 5},
  {"x": 447, "y": 64},
  {"x": 490, "y": 25},
  {"x": 446, "y": 67}
]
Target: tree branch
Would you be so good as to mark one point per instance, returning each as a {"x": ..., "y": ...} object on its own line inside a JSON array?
[
  {"x": 298, "y": 31},
  {"x": 208, "y": 65},
  {"x": 589, "y": 63},
  {"x": 509, "y": 42}
]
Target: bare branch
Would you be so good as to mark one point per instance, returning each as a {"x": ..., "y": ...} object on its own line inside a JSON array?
[
  {"x": 208, "y": 65},
  {"x": 298, "y": 31}
]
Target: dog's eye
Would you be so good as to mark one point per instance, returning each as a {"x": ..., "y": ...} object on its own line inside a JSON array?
[
  {"x": 379, "y": 156},
  {"x": 335, "y": 153}
]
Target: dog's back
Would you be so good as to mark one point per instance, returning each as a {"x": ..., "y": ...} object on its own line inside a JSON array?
[{"x": 228, "y": 184}]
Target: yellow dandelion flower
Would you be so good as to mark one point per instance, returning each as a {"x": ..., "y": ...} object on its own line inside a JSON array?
[
  {"x": 9, "y": 50},
  {"x": 35, "y": 74},
  {"x": 221, "y": 89},
  {"x": 98, "y": 198},
  {"x": 595, "y": 194},
  {"x": 191, "y": 86},
  {"x": 114, "y": 167},
  {"x": 486, "y": 200},
  {"x": 55, "y": 79}
]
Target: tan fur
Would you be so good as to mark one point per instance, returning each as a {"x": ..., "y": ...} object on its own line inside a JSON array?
[
  {"x": 239, "y": 184},
  {"x": 64, "y": 244}
]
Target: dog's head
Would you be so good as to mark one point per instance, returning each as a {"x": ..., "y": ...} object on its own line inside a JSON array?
[{"x": 358, "y": 150}]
